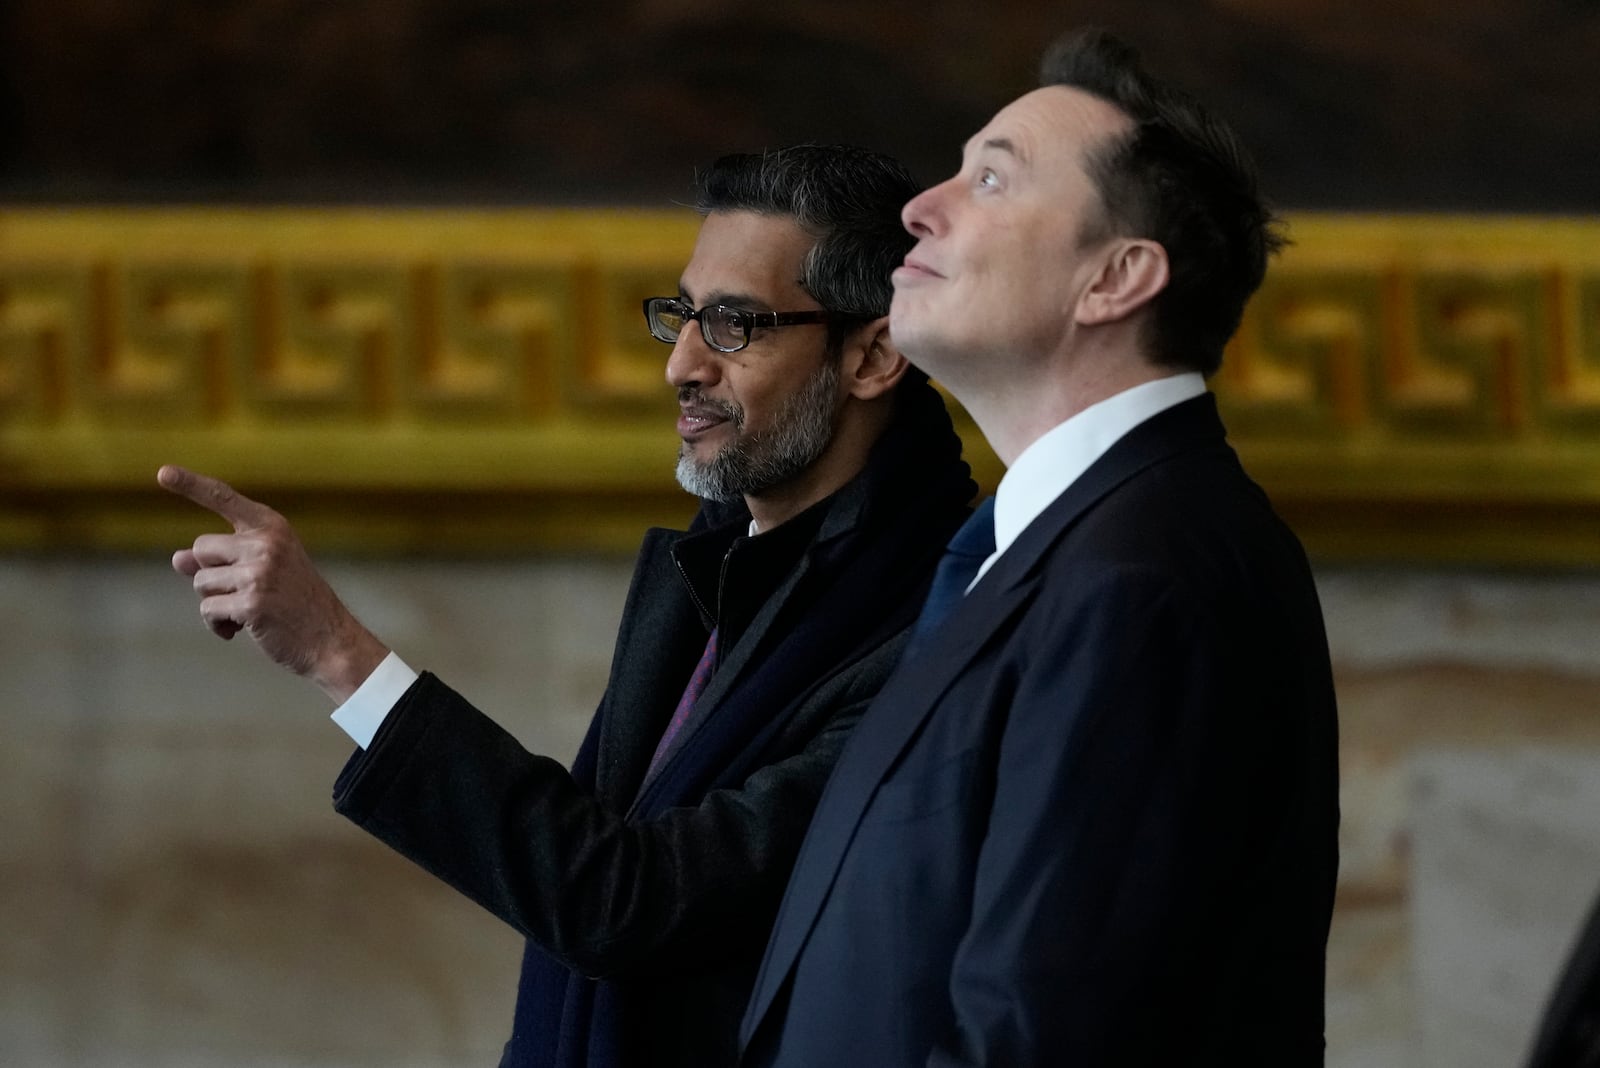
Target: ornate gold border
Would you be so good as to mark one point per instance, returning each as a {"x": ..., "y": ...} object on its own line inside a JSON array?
[
  {"x": 1407, "y": 387},
  {"x": 1428, "y": 387}
]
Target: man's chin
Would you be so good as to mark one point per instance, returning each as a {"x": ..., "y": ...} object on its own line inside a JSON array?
[
  {"x": 703, "y": 478},
  {"x": 920, "y": 341}
]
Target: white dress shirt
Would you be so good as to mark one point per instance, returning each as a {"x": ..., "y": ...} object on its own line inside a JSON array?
[
  {"x": 364, "y": 711},
  {"x": 1056, "y": 460}
]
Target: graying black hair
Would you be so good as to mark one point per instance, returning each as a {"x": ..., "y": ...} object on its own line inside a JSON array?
[{"x": 848, "y": 198}]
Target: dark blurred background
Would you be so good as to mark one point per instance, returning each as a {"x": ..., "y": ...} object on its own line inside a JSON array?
[{"x": 1483, "y": 105}]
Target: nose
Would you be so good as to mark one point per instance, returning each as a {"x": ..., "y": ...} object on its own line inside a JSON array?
[
  {"x": 692, "y": 362},
  {"x": 923, "y": 214}
]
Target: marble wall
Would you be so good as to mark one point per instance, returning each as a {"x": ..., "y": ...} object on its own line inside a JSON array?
[
  {"x": 177, "y": 890},
  {"x": 1470, "y": 749}
]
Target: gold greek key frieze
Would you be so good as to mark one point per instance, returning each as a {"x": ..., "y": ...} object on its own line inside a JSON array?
[
  {"x": 1432, "y": 356},
  {"x": 1302, "y": 362},
  {"x": 1413, "y": 386},
  {"x": 45, "y": 319},
  {"x": 1568, "y": 383},
  {"x": 212, "y": 343}
]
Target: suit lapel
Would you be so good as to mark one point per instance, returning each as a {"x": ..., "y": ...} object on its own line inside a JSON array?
[
  {"x": 896, "y": 717},
  {"x": 883, "y": 734}
]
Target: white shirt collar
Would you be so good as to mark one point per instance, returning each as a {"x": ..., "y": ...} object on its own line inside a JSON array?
[{"x": 1055, "y": 460}]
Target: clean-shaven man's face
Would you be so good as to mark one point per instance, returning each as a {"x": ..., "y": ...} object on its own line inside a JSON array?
[{"x": 1000, "y": 257}]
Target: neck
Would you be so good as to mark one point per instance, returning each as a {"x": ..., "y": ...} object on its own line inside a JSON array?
[
  {"x": 861, "y": 423},
  {"x": 1016, "y": 413}
]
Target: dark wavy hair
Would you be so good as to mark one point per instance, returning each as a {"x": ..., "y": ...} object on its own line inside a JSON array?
[
  {"x": 1182, "y": 178},
  {"x": 848, "y": 198}
]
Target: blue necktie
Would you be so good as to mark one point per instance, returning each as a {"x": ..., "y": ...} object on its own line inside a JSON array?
[{"x": 971, "y": 546}]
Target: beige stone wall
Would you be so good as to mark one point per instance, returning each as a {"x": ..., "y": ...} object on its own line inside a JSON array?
[
  {"x": 1470, "y": 722},
  {"x": 177, "y": 891}
]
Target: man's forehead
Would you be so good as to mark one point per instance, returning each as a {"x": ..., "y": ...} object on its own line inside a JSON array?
[
  {"x": 744, "y": 254},
  {"x": 1049, "y": 118}
]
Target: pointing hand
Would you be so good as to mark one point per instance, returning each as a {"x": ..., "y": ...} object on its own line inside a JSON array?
[{"x": 260, "y": 579}]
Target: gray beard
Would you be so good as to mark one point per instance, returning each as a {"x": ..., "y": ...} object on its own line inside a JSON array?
[{"x": 750, "y": 466}]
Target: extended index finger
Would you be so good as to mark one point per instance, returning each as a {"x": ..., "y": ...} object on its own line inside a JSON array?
[{"x": 215, "y": 495}]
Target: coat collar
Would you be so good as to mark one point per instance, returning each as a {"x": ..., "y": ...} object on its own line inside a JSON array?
[
  {"x": 1182, "y": 428},
  {"x": 728, "y": 574}
]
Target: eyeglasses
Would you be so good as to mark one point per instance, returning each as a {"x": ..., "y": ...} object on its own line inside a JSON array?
[{"x": 725, "y": 329}]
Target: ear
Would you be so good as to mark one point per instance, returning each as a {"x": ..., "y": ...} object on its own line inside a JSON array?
[
  {"x": 871, "y": 366},
  {"x": 1134, "y": 271}
]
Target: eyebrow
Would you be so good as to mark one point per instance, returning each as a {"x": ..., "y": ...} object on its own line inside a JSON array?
[
  {"x": 1004, "y": 144},
  {"x": 992, "y": 144},
  {"x": 745, "y": 301}
]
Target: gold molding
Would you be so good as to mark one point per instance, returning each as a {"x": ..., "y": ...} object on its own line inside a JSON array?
[
  {"x": 1405, "y": 387},
  {"x": 1428, "y": 388}
]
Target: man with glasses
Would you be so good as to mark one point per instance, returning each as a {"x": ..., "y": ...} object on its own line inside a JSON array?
[
  {"x": 1092, "y": 820},
  {"x": 646, "y": 878}
]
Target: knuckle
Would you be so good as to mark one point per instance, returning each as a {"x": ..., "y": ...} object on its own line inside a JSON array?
[{"x": 269, "y": 554}]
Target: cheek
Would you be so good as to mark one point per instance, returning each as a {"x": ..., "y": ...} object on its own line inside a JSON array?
[
  {"x": 758, "y": 397},
  {"x": 1030, "y": 266}
]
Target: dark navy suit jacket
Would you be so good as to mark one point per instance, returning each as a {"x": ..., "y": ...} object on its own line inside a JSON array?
[
  {"x": 1093, "y": 820},
  {"x": 1569, "y": 1034}
]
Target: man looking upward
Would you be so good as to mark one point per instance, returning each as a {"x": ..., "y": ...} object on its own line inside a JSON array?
[
  {"x": 1091, "y": 821},
  {"x": 645, "y": 879}
]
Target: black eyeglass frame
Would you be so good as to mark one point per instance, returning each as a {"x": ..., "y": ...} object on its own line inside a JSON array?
[{"x": 749, "y": 320}]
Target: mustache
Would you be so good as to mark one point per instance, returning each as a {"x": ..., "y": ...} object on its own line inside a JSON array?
[{"x": 690, "y": 397}]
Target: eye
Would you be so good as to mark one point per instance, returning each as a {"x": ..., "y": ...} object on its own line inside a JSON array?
[
  {"x": 730, "y": 327},
  {"x": 988, "y": 179}
]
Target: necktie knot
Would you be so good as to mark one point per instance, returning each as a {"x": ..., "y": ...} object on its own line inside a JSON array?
[{"x": 976, "y": 535}]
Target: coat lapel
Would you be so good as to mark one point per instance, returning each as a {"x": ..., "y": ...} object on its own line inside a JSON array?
[
  {"x": 661, "y": 632},
  {"x": 896, "y": 717}
]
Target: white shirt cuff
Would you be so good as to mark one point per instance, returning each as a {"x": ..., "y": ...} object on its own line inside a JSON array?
[{"x": 366, "y": 709}]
